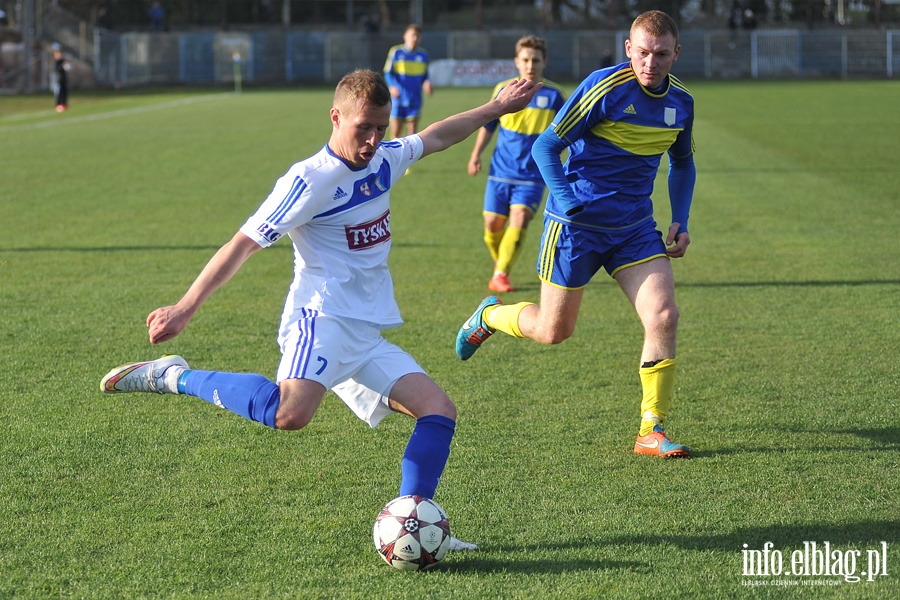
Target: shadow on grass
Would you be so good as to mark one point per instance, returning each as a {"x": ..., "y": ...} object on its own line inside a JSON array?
[
  {"x": 474, "y": 564},
  {"x": 889, "y": 437},
  {"x": 859, "y": 534}
]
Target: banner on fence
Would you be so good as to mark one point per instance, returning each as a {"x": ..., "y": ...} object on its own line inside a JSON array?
[{"x": 450, "y": 72}]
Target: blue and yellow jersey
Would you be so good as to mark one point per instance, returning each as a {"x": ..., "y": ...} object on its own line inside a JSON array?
[
  {"x": 511, "y": 160},
  {"x": 407, "y": 69},
  {"x": 616, "y": 131}
]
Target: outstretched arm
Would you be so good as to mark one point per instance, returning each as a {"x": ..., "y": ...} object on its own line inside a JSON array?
[
  {"x": 167, "y": 322},
  {"x": 454, "y": 129}
]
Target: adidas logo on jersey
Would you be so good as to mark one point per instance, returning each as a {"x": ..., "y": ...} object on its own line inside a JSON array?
[
  {"x": 339, "y": 193},
  {"x": 630, "y": 110}
]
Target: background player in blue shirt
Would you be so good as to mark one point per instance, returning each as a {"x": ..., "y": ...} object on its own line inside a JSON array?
[
  {"x": 515, "y": 187},
  {"x": 406, "y": 73},
  {"x": 616, "y": 126}
]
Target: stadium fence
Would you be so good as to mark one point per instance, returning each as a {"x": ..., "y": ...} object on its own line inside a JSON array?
[
  {"x": 288, "y": 57},
  {"x": 319, "y": 57}
]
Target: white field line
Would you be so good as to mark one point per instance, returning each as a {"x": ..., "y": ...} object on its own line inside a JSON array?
[{"x": 113, "y": 114}]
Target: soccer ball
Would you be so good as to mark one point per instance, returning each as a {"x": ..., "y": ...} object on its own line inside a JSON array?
[{"x": 411, "y": 533}]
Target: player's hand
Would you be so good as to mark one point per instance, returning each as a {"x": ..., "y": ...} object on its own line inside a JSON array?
[
  {"x": 474, "y": 165},
  {"x": 165, "y": 323},
  {"x": 676, "y": 244},
  {"x": 395, "y": 91},
  {"x": 516, "y": 95}
]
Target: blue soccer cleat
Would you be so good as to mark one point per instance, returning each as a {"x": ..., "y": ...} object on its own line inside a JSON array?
[{"x": 474, "y": 332}]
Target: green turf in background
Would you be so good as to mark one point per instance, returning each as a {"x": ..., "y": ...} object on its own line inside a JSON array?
[{"x": 787, "y": 384}]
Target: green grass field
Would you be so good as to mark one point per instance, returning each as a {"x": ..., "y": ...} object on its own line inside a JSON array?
[{"x": 787, "y": 390}]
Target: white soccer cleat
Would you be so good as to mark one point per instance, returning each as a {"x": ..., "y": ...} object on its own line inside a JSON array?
[
  {"x": 160, "y": 376},
  {"x": 457, "y": 545}
]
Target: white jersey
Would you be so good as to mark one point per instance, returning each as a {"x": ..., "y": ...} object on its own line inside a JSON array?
[{"x": 339, "y": 221}]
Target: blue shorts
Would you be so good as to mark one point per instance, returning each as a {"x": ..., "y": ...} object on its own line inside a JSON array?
[
  {"x": 405, "y": 113},
  {"x": 570, "y": 256},
  {"x": 500, "y": 194}
]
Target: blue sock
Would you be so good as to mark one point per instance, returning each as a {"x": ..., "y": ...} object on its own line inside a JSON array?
[
  {"x": 426, "y": 455},
  {"x": 247, "y": 394}
]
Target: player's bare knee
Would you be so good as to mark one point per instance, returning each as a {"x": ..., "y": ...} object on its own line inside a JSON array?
[
  {"x": 554, "y": 335},
  {"x": 663, "y": 320},
  {"x": 670, "y": 317},
  {"x": 440, "y": 405},
  {"x": 494, "y": 223},
  {"x": 519, "y": 218},
  {"x": 292, "y": 419},
  {"x": 548, "y": 338}
]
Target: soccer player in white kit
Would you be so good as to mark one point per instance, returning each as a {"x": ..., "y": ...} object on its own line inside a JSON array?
[{"x": 335, "y": 208}]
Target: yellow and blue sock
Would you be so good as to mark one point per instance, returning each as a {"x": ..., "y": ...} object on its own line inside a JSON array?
[
  {"x": 249, "y": 395},
  {"x": 426, "y": 455}
]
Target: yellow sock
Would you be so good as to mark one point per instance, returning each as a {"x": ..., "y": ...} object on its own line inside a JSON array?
[
  {"x": 492, "y": 240},
  {"x": 505, "y": 317},
  {"x": 658, "y": 382},
  {"x": 509, "y": 248}
]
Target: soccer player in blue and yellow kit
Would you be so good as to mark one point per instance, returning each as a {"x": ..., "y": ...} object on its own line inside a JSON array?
[
  {"x": 406, "y": 73},
  {"x": 515, "y": 187},
  {"x": 616, "y": 126}
]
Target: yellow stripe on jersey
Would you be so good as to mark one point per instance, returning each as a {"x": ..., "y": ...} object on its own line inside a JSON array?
[
  {"x": 637, "y": 139},
  {"x": 410, "y": 67},
  {"x": 678, "y": 84},
  {"x": 583, "y": 106},
  {"x": 548, "y": 250},
  {"x": 528, "y": 121}
]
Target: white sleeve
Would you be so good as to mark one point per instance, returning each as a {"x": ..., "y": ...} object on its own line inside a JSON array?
[
  {"x": 291, "y": 203},
  {"x": 405, "y": 152}
]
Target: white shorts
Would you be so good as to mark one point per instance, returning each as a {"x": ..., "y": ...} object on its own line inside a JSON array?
[{"x": 348, "y": 357}]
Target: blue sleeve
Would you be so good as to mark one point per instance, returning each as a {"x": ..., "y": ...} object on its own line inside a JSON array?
[
  {"x": 682, "y": 176},
  {"x": 546, "y": 151},
  {"x": 389, "y": 69}
]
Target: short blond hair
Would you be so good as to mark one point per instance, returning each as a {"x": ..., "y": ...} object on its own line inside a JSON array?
[
  {"x": 361, "y": 84},
  {"x": 656, "y": 23}
]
